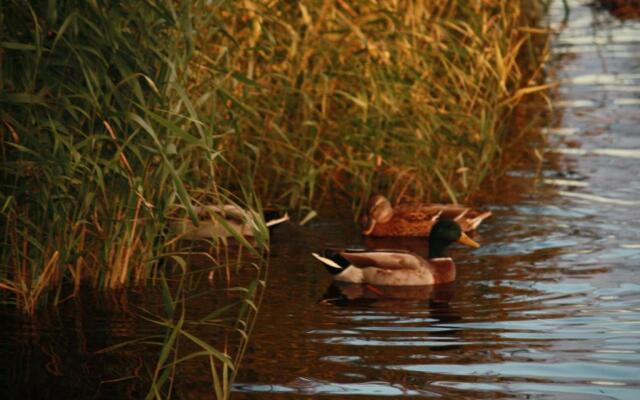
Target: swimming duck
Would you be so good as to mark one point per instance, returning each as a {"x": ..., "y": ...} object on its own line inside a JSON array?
[
  {"x": 210, "y": 226},
  {"x": 398, "y": 267},
  {"x": 415, "y": 219}
]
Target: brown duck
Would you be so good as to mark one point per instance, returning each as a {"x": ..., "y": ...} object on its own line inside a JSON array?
[{"x": 415, "y": 219}]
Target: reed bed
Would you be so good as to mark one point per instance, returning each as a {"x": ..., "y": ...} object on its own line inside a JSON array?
[
  {"x": 101, "y": 146},
  {"x": 118, "y": 118},
  {"x": 408, "y": 98}
]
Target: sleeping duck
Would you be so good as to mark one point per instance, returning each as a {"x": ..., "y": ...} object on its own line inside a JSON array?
[
  {"x": 415, "y": 219},
  {"x": 397, "y": 267},
  {"x": 218, "y": 221}
]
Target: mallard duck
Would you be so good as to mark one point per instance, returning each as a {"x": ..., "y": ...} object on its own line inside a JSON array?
[
  {"x": 210, "y": 223},
  {"x": 398, "y": 267},
  {"x": 415, "y": 219}
]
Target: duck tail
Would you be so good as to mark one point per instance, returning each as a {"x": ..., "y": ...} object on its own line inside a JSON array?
[
  {"x": 332, "y": 260},
  {"x": 475, "y": 222}
]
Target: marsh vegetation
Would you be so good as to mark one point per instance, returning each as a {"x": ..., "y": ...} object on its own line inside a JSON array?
[{"x": 117, "y": 119}]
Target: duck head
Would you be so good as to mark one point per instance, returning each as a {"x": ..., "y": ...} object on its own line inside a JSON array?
[
  {"x": 445, "y": 232},
  {"x": 380, "y": 211}
]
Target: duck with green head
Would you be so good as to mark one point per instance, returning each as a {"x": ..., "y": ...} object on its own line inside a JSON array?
[{"x": 397, "y": 267}]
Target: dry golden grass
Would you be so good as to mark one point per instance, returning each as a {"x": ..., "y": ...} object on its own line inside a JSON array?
[{"x": 411, "y": 98}]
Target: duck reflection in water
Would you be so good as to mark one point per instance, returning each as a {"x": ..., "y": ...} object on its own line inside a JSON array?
[{"x": 345, "y": 294}]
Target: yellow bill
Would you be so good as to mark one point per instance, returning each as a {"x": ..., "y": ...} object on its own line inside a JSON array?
[
  {"x": 370, "y": 228},
  {"x": 464, "y": 239}
]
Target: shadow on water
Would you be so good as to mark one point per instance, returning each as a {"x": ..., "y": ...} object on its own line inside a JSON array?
[
  {"x": 111, "y": 345},
  {"x": 549, "y": 307},
  {"x": 54, "y": 355}
]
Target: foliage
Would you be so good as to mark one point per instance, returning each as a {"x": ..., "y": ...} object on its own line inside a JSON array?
[
  {"x": 100, "y": 143},
  {"x": 408, "y": 98}
]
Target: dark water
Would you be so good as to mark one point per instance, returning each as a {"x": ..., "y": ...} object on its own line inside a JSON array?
[{"x": 549, "y": 307}]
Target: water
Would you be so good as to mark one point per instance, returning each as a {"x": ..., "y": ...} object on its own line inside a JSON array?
[{"x": 549, "y": 307}]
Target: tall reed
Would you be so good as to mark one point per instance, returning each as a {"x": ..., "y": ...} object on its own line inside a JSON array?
[
  {"x": 411, "y": 98},
  {"x": 100, "y": 143},
  {"x": 115, "y": 115}
]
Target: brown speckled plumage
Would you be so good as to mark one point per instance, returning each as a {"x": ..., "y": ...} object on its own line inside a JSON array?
[{"x": 415, "y": 219}]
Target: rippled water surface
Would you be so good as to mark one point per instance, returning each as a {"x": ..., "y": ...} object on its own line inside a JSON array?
[{"x": 549, "y": 307}]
